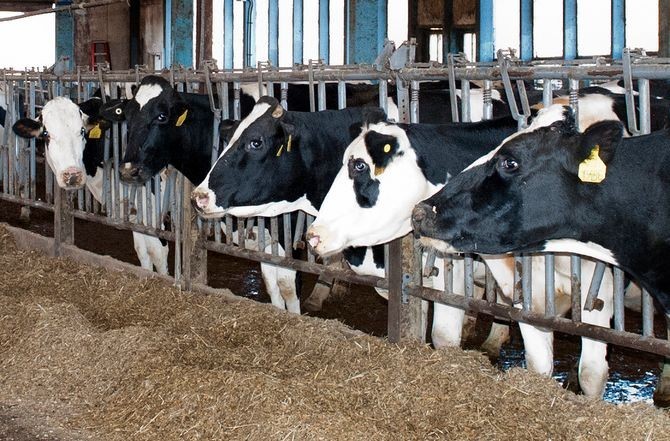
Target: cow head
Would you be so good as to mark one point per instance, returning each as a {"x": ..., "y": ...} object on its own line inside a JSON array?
[
  {"x": 154, "y": 115},
  {"x": 522, "y": 194},
  {"x": 63, "y": 127},
  {"x": 257, "y": 172},
  {"x": 371, "y": 199}
]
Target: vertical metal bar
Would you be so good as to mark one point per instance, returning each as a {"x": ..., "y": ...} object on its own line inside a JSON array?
[
  {"x": 167, "y": 27},
  {"x": 618, "y": 298},
  {"x": 260, "y": 237},
  {"x": 395, "y": 274},
  {"x": 274, "y": 233},
  {"x": 414, "y": 102},
  {"x": 594, "y": 286},
  {"x": 228, "y": 32},
  {"x": 644, "y": 105},
  {"x": 647, "y": 314},
  {"x": 299, "y": 228},
  {"x": 309, "y": 219},
  {"x": 229, "y": 229},
  {"x": 236, "y": 101},
  {"x": 383, "y": 95},
  {"x": 569, "y": 29},
  {"x": 526, "y": 282},
  {"x": 618, "y": 28},
  {"x": 178, "y": 226},
  {"x": 284, "y": 94},
  {"x": 322, "y": 95},
  {"x": 576, "y": 287},
  {"x": 297, "y": 31},
  {"x": 469, "y": 275},
  {"x": 465, "y": 101},
  {"x": 241, "y": 242},
  {"x": 526, "y": 23},
  {"x": 273, "y": 32},
  {"x": 574, "y": 98},
  {"x": 324, "y": 30},
  {"x": 490, "y": 290},
  {"x": 488, "y": 102},
  {"x": 518, "y": 286},
  {"x": 549, "y": 286},
  {"x": 286, "y": 217},
  {"x": 547, "y": 92},
  {"x": 341, "y": 94}
]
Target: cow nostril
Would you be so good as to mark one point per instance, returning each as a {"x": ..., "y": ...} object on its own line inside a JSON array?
[
  {"x": 313, "y": 240},
  {"x": 419, "y": 213}
]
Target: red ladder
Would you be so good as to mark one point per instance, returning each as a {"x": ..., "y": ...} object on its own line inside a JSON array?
[{"x": 100, "y": 53}]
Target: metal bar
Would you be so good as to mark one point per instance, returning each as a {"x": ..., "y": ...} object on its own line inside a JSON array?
[
  {"x": 324, "y": 30},
  {"x": 569, "y": 29},
  {"x": 228, "y": 32},
  {"x": 618, "y": 298},
  {"x": 414, "y": 103},
  {"x": 297, "y": 31},
  {"x": 644, "y": 106},
  {"x": 273, "y": 32},
  {"x": 594, "y": 287},
  {"x": 627, "y": 339},
  {"x": 618, "y": 28},
  {"x": 260, "y": 237},
  {"x": 527, "y": 282},
  {"x": 485, "y": 36},
  {"x": 549, "y": 286},
  {"x": 341, "y": 94},
  {"x": 576, "y": 287},
  {"x": 469, "y": 275},
  {"x": 465, "y": 101},
  {"x": 647, "y": 314},
  {"x": 274, "y": 234},
  {"x": 526, "y": 23}
]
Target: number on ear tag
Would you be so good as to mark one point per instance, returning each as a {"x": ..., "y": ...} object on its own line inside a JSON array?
[{"x": 592, "y": 169}]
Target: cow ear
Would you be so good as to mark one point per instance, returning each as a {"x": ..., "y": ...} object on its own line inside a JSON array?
[
  {"x": 91, "y": 107},
  {"x": 27, "y": 128},
  {"x": 289, "y": 129},
  {"x": 113, "y": 110},
  {"x": 373, "y": 115},
  {"x": 227, "y": 128},
  {"x": 606, "y": 135}
]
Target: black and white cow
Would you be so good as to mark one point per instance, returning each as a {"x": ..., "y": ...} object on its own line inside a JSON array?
[
  {"x": 410, "y": 162},
  {"x": 74, "y": 151},
  {"x": 555, "y": 189},
  {"x": 166, "y": 127},
  {"x": 280, "y": 161}
]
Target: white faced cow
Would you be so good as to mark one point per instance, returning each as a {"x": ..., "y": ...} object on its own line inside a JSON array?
[
  {"x": 76, "y": 160},
  {"x": 166, "y": 127},
  {"x": 410, "y": 162}
]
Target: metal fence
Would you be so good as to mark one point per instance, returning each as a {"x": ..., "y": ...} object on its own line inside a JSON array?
[{"x": 26, "y": 179}]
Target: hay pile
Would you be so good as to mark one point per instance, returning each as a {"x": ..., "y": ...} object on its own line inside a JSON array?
[{"x": 89, "y": 354}]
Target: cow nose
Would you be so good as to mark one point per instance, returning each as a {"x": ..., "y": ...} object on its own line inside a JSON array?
[
  {"x": 129, "y": 173},
  {"x": 419, "y": 214},
  {"x": 200, "y": 199},
  {"x": 313, "y": 238},
  {"x": 73, "y": 177}
]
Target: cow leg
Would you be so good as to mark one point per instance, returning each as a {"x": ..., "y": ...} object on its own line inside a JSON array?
[
  {"x": 498, "y": 336},
  {"x": 538, "y": 348},
  {"x": 593, "y": 366},
  {"x": 279, "y": 282},
  {"x": 158, "y": 253},
  {"x": 270, "y": 277},
  {"x": 447, "y": 320},
  {"x": 142, "y": 253},
  {"x": 319, "y": 294}
]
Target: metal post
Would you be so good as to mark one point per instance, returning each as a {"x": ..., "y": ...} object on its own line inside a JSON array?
[
  {"x": 324, "y": 30},
  {"x": 273, "y": 32},
  {"x": 297, "y": 31},
  {"x": 485, "y": 36},
  {"x": 228, "y": 30},
  {"x": 63, "y": 220},
  {"x": 618, "y": 28},
  {"x": 569, "y": 29},
  {"x": 526, "y": 30}
]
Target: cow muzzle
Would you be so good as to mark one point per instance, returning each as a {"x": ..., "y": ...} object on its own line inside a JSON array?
[
  {"x": 72, "y": 178},
  {"x": 133, "y": 175},
  {"x": 203, "y": 200},
  {"x": 423, "y": 219}
]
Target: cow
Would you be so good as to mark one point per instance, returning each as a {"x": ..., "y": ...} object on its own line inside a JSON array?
[
  {"x": 74, "y": 151},
  {"x": 555, "y": 189},
  {"x": 410, "y": 162},
  {"x": 166, "y": 127},
  {"x": 278, "y": 161}
]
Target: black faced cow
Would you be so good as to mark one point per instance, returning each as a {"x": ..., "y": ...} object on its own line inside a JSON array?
[
  {"x": 410, "y": 162},
  {"x": 166, "y": 127},
  {"x": 554, "y": 189},
  {"x": 74, "y": 151}
]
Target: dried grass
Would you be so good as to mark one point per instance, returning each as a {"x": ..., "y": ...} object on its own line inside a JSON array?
[{"x": 91, "y": 354}]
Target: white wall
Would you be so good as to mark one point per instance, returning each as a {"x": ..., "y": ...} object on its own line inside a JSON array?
[{"x": 28, "y": 42}]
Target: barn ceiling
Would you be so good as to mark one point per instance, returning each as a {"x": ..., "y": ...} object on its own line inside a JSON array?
[{"x": 24, "y": 5}]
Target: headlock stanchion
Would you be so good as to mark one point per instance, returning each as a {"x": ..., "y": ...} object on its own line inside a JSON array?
[{"x": 22, "y": 171}]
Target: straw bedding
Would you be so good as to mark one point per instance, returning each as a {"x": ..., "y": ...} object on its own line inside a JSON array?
[{"x": 92, "y": 354}]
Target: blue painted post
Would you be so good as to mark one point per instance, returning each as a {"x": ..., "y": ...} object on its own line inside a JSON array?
[
  {"x": 526, "y": 30},
  {"x": 324, "y": 30},
  {"x": 618, "y": 28},
  {"x": 167, "y": 38},
  {"x": 65, "y": 33},
  {"x": 569, "y": 29},
  {"x": 273, "y": 34},
  {"x": 485, "y": 37},
  {"x": 297, "y": 31},
  {"x": 228, "y": 52},
  {"x": 182, "y": 32},
  {"x": 366, "y": 23},
  {"x": 249, "y": 35}
]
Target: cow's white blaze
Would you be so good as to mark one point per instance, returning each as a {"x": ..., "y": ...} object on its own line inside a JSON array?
[
  {"x": 206, "y": 199},
  {"x": 342, "y": 222},
  {"x": 147, "y": 92},
  {"x": 589, "y": 249},
  {"x": 64, "y": 122}
]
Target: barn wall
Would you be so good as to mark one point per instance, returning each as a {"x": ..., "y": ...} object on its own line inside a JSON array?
[
  {"x": 111, "y": 23},
  {"x": 151, "y": 28}
]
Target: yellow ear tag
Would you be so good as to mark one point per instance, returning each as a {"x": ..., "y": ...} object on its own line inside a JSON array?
[
  {"x": 182, "y": 118},
  {"x": 281, "y": 147},
  {"x": 378, "y": 170},
  {"x": 387, "y": 148},
  {"x": 592, "y": 169},
  {"x": 288, "y": 145},
  {"x": 95, "y": 132}
]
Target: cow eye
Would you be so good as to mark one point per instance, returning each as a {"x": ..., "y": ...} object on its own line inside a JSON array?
[
  {"x": 83, "y": 131},
  {"x": 255, "y": 144},
  {"x": 162, "y": 117},
  {"x": 360, "y": 166},
  {"x": 508, "y": 164},
  {"x": 44, "y": 134}
]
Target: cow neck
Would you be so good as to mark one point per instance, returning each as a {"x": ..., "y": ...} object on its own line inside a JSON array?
[
  {"x": 322, "y": 137},
  {"x": 192, "y": 149}
]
